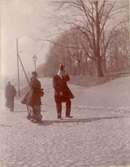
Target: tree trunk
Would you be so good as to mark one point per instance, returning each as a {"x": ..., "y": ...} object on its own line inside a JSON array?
[
  {"x": 98, "y": 56},
  {"x": 99, "y": 67}
]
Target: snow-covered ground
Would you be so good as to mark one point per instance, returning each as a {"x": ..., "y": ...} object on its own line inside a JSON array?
[
  {"x": 113, "y": 96},
  {"x": 97, "y": 136}
]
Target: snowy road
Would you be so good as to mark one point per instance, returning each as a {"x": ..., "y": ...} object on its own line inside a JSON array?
[{"x": 97, "y": 136}]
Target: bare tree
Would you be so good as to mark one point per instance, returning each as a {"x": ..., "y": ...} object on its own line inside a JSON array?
[
  {"x": 119, "y": 49},
  {"x": 94, "y": 23}
]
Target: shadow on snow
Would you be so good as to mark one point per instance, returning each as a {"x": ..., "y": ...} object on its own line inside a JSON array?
[{"x": 76, "y": 120}]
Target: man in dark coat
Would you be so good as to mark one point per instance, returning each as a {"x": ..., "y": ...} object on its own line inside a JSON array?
[
  {"x": 33, "y": 99},
  {"x": 62, "y": 92},
  {"x": 10, "y": 93}
]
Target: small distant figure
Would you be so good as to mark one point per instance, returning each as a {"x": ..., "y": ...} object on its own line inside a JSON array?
[
  {"x": 62, "y": 92},
  {"x": 10, "y": 93},
  {"x": 33, "y": 99}
]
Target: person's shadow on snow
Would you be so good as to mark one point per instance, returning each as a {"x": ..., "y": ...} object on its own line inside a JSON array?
[{"x": 77, "y": 120}]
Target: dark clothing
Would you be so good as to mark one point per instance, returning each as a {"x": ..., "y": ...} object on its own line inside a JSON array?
[
  {"x": 59, "y": 108},
  {"x": 36, "y": 92},
  {"x": 62, "y": 93},
  {"x": 60, "y": 86},
  {"x": 33, "y": 99},
  {"x": 33, "y": 96},
  {"x": 10, "y": 93}
]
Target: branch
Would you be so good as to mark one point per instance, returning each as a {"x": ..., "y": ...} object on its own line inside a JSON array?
[
  {"x": 87, "y": 12},
  {"x": 59, "y": 44},
  {"x": 110, "y": 37},
  {"x": 62, "y": 3},
  {"x": 86, "y": 52},
  {"x": 106, "y": 17}
]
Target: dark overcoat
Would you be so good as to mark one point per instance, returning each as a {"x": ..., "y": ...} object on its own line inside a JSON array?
[
  {"x": 10, "y": 93},
  {"x": 62, "y": 92},
  {"x": 33, "y": 96}
]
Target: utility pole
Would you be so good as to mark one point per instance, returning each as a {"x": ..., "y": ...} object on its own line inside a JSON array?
[{"x": 18, "y": 67}]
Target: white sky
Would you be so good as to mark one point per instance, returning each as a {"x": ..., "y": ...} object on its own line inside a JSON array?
[{"x": 24, "y": 19}]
